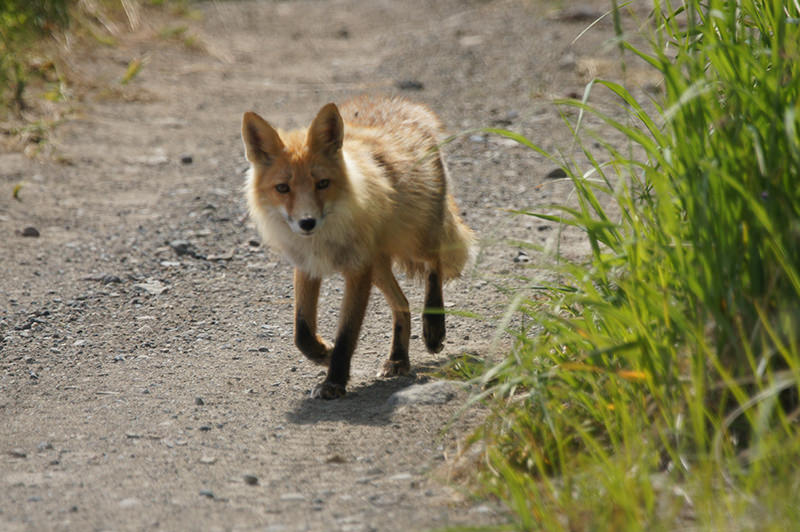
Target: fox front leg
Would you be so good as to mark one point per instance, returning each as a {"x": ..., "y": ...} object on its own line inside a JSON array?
[
  {"x": 356, "y": 295},
  {"x": 306, "y": 295}
]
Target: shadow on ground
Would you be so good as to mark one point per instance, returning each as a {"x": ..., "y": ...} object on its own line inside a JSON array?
[{"x": 367, "y": 404}]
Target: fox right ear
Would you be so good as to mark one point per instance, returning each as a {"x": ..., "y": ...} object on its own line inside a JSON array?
[{"x": 262, "y": 144}]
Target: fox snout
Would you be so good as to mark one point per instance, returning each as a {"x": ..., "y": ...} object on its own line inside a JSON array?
[
  {"x": 304, "y": 225},
  {"x": 307, "y": 225}
]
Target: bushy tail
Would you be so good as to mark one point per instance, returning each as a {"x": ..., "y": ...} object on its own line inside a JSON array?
[{"x": 458, "y": 243}]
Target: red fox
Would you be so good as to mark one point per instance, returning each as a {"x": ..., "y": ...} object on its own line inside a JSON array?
[{"x": 362, "y": 189}]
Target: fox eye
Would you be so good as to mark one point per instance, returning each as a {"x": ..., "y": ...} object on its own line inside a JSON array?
[
  {"x": 323, "y": 183},
  {"x": 282, "y": 188}
]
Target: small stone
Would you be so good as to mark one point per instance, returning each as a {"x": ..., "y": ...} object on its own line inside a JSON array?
[
  {"x": 199, "y": 401},
  {"x": 17, "y": 453},
  {"x": 477, "y": 138},
  {"x": 557, "y": 173},
  {"x": 205, "y": 428},
  {"x": 186, "y": 159},
  {"x": 181, "y": 247},
  {"x": 409, "y": 85},
  {"x": 133, "y": 435},
  {"x": 129, "y": 502},
  {"x": 335, "y": 459},
  {"x": 30, "y": 231},
  {"x": 207, "y": 460},
  {"x": 109, "y": 278},
  {"x": 44, "y": 446},
  {"x": 431, "y": 393},
  {"x": 153, "y": 287},
  {"x": 293, "y": 497},
  {"x": 580, "y": 13},
  {"x": 250, "y": 480},
  {"x": 207, "y": 493},
  {"x": 522, "y": 257}
]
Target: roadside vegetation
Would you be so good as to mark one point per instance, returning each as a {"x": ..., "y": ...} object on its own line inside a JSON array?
[
  {"x": 656, "y": 387},
  {"x": 39, "y": 81}
]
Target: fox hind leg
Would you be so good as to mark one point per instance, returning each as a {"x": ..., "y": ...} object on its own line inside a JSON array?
[
  {"x": 398, "y": 363},
  {"x": 433, "y": 330}
]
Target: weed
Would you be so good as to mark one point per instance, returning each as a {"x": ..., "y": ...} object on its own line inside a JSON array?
[{"x": 660, "y": 387}]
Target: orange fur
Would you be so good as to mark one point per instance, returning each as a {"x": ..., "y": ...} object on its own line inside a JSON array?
[
  {"x": 388, "y": 194},
  {"x": 363, "y": 188}
]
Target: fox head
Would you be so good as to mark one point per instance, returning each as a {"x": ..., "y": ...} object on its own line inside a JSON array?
[{"x": 301, "y": 173}]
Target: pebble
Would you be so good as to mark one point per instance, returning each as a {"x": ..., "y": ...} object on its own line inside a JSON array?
[
  {"x": 556, "y": 173},
  {"x": 44, "y": 446},
  {"x": 522, "y": 257},
  {"x": 580, "y": 13},
  {"x": 207, "y": 493},
  {"x": 17, "y": 453},
  {"x": 129, "y": 502},
  {"x": 153, "y": 287},
  {"x": 207, "y": 460},
  {"x": 293, "y": 497},
  {"x": 409, "y": 85},
  {"x": 30, "y": 231},
  {"x": 186, "y": 159},
  {"x": 182, "y": 247},
  {"x": 250, "y": 480},
  {"x": 199, "y": 401},
  {"x": 431, "y": 393}
]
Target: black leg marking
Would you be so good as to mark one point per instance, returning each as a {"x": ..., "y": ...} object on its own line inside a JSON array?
[
  {"x": 433, "y": 329},
  {"x": 309, "y": 344},
  {"x": 398, "y": 363},
  {"x": 356, "y": 296}
]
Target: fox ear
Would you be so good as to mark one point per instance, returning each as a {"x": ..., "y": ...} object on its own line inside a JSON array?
[
  {"x": 327, "y": 131},
  {"x": 262, "y": 144}
]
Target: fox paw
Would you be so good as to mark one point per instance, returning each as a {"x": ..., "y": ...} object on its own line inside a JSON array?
[
  {"x": 433, "y": 332},
  {"x": 328, "y": 390},
  {"x": 393, "y": 368},
  {"x": 320, "y": 355}
]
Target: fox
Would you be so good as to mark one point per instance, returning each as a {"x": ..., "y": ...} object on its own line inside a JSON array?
[{"x": 362, "y": 190}]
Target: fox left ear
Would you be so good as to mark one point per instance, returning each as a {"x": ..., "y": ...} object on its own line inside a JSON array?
[{"x": 327, "y": 131}]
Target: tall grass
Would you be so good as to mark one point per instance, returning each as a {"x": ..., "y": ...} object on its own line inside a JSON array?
[{"x": 659, "y": 389}]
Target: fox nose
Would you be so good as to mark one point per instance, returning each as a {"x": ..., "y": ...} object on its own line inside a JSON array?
[{"x": 307, "y": 224}]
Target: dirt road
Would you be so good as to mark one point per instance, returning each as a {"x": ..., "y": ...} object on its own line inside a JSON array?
[{"x": 149, "y": 381}]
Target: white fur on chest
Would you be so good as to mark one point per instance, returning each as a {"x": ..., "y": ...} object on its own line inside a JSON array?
[{"x": 337, "y": 246}]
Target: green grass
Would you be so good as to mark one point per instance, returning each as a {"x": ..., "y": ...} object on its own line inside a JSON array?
[{"x": 657, "y": 387}]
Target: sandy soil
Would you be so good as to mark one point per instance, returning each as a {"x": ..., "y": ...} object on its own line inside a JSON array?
[{"x": 148, "y": 378}]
